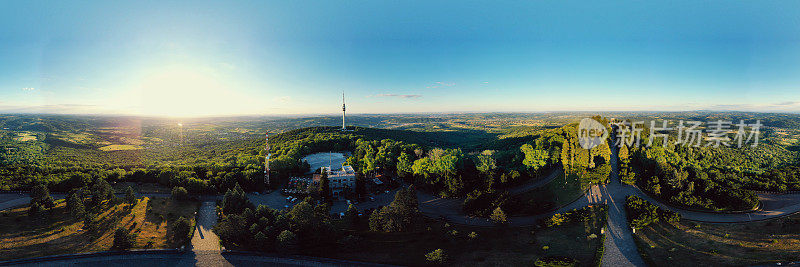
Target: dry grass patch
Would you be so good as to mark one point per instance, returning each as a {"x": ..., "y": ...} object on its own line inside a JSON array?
[
  {"x": 59, "y": 233},
  {"x": 691, "y": 243},
  {"x": 119, "y": 147},
  {"x": 495, "y": 246}
]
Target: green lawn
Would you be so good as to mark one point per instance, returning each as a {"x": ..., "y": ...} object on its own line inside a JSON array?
[{"x": 557, "y": 193}]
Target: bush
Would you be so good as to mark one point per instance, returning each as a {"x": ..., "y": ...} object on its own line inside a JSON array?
[
  {"x": 287, "y": 240},
  {"x": 123, "y": 239},
  {"x": 180, "y": 193},
  {"x": 130, "y": 196},
  {"x": 556, "y": 220},
  {"x": 598, "y": 254},
  {"x": 181, "y": 230},
  {"x": 555, "y": 262},
  {"x": 499, "y": 216},
  {"x": 437, "y": 256},
  {"x": 473, "y": 235},
  {"x": 642, "y": 213}
]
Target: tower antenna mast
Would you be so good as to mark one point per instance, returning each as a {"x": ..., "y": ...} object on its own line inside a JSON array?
[
  {"x": 344, "y": 128},
  {"x": 266, "y": 163}
]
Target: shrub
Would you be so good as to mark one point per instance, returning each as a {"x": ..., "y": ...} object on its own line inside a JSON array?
[
  {"x": 555, "y": 262},
  {"x": 123, "y": 239},
  {"x": 181, "y": 230},
  {"x": 437, "y": 256},
  {"x": 473, "y": 235},
  {"x": 180, "y": 193},
  {"x": 598, "y": 254},
  {"x": 556, "y": 220},
  {"x": 499, "y": 216},
  {"x": 287, "y": 240},
  {"x": 642, "y": 213}
]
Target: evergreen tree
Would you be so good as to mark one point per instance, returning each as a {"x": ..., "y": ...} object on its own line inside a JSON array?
[
  {"x": 498, "y": 216},
  {"x": 235, "y": 201},
  {"x": 75, "y": 205},
  {"x": 123, "y": 239},
  {"x": 325, "y": 187},
  {"x": 130, "y": 196},
  {"x": 40, "y": 194}
]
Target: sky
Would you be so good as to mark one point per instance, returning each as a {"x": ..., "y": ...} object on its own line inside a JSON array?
[{"x": 219, "y": 58}]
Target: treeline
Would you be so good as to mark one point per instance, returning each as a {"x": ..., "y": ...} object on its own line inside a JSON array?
[
  {"x": 265, "y": 229},
  {"x": 545, "y": 150},
  {"x": 674, "y": 174},
  {"x": 308, "y": 224}
]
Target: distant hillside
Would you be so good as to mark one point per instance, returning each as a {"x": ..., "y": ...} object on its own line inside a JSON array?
[{"x": 446, "y": 139}]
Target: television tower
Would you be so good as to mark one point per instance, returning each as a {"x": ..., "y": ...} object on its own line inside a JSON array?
[
  {"x": 266, "y": 163},
  {"x": 344, "y": 128}
]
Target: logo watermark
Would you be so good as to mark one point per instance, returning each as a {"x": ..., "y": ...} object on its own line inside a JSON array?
[
  {"x": 591, "y": 133},
  {"x": 687, "y": 133}
]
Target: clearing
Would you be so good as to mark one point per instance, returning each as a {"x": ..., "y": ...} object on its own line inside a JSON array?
[
  {"x": 60, "y": 233},
  {"x": 689, "y": 243}
]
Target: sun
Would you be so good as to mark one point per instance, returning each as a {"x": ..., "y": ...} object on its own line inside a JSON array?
[{"x": 187, "y": 92}]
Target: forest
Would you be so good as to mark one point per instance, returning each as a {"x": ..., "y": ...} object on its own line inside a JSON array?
[{"x": 475, "y": 157}]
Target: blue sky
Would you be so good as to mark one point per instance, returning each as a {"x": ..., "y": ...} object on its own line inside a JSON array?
[{"x": 296, "y": 57}]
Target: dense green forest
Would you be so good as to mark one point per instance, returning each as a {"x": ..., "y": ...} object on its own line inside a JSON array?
[
  {"x": 708, "y": 177},
  {"x": 476, "y": 156}
]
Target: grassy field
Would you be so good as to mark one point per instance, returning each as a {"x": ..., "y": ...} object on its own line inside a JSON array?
[
  {"x": 119, "y": 147},
  {"x": 25, "y": 136},
  {"x": 690, "y": 243},
  {"x": 555, "y": 194},
  {"x": 60, "y": 233},
  {"x": 501, "y": 246}
]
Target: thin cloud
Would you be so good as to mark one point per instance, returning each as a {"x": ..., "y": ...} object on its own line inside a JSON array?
[
  {"x": 283, "y": 99},
  {"x": 788, "y": 103},
  {"x": 28, "y": 89},
  {"x": 441, "y": 84},
  {"x": 398, "y": 96}
]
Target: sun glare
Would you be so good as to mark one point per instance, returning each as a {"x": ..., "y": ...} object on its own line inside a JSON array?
[{"x": 187, "y": 92}]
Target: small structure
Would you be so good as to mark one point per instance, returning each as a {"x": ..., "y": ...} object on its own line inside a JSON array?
[{"x": 338, "y": 179}]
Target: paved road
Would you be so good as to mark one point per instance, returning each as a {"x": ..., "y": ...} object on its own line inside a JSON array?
[
  {"x": 619, "y": 248},
  {"x": 10, "y": 200},
  {"x": 205, "y": 243}
]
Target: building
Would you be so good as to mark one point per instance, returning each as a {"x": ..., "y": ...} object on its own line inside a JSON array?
[{"x": 338, "y": 179}]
